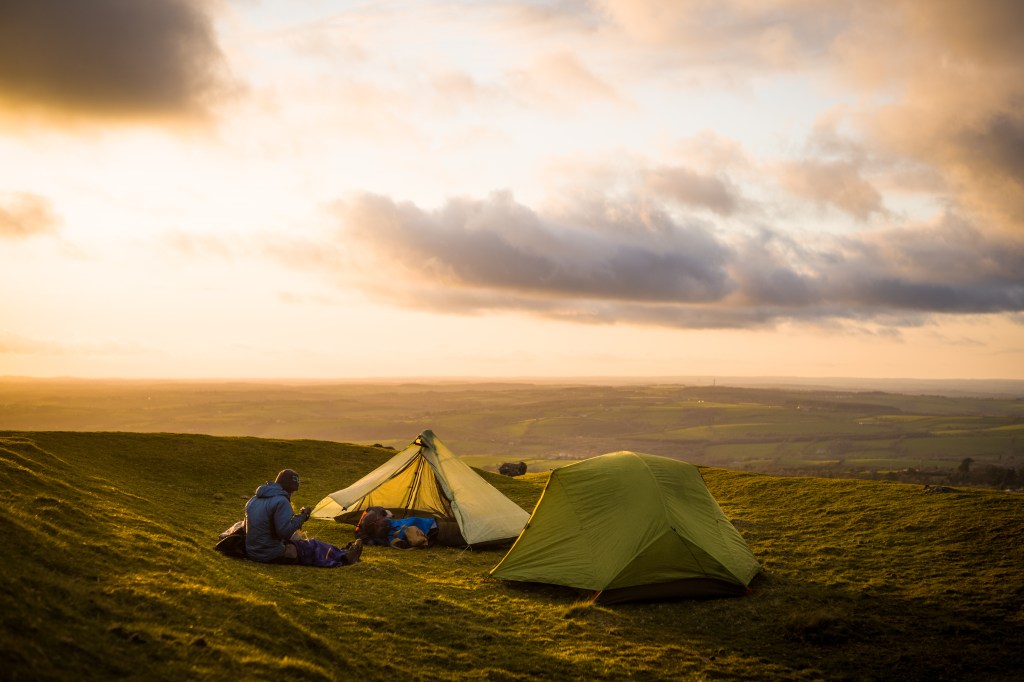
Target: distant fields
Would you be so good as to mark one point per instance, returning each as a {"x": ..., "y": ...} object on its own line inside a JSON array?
[{"x": 770, "y": 430}]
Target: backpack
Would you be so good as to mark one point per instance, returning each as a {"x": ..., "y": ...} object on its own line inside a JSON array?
[
  {"x": 373, "y": 524},
  {"x": 232, "y": 541}
]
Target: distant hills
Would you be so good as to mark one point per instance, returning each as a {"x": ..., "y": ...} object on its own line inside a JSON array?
[
  {"x": 996, "y": 388},
  {"x": 922, "y": 437}
]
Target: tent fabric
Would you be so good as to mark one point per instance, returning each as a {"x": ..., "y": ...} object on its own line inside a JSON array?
[
  {"x": 427, "y": 479},
  {"x": 630, "y": 525}
]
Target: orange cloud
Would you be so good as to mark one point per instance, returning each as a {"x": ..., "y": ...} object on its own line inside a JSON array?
[
  {"x": 835, "y": 183},
  {"x": 560, "y": 81},
  {"x": 23, "y": 214},
  {"x": 954, "y": 76},
  {"x": 742, "y": 33},
  {"x": 678, "y": 183}
]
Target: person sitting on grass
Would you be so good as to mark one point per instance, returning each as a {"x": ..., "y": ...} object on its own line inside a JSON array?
[{"x": 272, "y": 529}]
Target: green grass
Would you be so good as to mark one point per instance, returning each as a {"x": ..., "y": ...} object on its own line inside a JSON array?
[{"x": 109, "y": 573}]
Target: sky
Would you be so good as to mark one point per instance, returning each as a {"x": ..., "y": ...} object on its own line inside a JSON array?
[{"x": 348, "y": 189}]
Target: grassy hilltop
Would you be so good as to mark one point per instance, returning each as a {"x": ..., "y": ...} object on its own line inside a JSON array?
[{"x": 109, "y": 572}]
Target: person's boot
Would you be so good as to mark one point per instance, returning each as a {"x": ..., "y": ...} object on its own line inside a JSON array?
[{"x": 352, "y": 551}]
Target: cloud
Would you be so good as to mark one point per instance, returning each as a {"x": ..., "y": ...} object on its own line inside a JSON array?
[
  {"x": 935, "y": 119},
  {"x": 775, "y": 271},
  {"x": 714, "y": 192},
  {"x": 201, "y": 245},
  {"x": 561, "y": 80},
  {"x": 707, "y": 171},
  {"x": 13, "y": 344},
  {"x": 833, "y": 183},
  {"x": 611, "y": 251},
  {"x": 950, "y": 266},
  {"x": 951, "y": 78},
  {"x": 937, "y": 87},
  {"x": 629, "y": 261},
  {"x": 23, "y": 214},
  {"x": 109, "y": 58},
  {"x": 736, "y": 33}
]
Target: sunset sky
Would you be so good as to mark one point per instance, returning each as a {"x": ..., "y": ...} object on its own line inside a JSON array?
[{"x": 329, "y": 189}]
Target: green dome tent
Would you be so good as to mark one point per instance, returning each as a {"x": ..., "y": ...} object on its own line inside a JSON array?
[
  {"x": 427, "y": 479},
  {"x": 630, "y": 526}
]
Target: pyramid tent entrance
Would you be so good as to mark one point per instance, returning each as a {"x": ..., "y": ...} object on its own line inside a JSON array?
[
  {"x": 629, "y": 526},
  {"x": 427, "y": 479}
]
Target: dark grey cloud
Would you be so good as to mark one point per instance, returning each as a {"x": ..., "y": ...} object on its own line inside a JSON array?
[
  {"x": 951, "y": 267},
  {"x": 23, "y": 214},
  {"x": 615, "y": 252},
  {"x": 630, "y": 262},
  {"x": 999, "y": 143},
  {"x": 109, "y": 57},
  {"x": 766, "y": 270}
]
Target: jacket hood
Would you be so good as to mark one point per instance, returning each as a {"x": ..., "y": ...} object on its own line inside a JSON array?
[{"x": 271, "y": 490}]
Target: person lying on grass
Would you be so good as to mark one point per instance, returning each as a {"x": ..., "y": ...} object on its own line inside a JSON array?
[
  {"x": 377, "y": 527},
  {"x": 272, "y": 529}
]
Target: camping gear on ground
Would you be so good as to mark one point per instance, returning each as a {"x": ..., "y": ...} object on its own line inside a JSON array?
[
  {"x": 427, "y": 480},
  {"x": 309, "y": 552},
  {"x": 412, "y": 531},
  {"x": 231, "y": 542},
  {"x": 410, "y": 537},
  {"x": 373, "y": 525},
  {"x": 629, "y": 526}
]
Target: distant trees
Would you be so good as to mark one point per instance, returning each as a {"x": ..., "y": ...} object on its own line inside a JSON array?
[
  {"x": 997, "y": 477},
  {"x": 963, "y": 472}
]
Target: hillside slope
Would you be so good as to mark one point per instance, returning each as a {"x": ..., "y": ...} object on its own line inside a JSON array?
[{"x": 109, "y": 572}]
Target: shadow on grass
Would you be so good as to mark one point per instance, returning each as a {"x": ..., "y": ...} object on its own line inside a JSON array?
[{"x": 802, "y": 631}]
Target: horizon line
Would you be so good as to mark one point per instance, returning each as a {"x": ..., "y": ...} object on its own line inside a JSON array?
[{"x": 638, "y": 378}]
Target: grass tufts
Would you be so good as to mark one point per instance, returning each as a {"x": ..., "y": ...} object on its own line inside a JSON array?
[
  {"x": 820, "y": 626},
  {"x": 579, "y": 610}
]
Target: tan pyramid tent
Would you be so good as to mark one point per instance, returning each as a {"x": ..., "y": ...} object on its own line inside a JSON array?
[
  {"x": 630, "y": 526},
  {"x": 426, "y": 479}
]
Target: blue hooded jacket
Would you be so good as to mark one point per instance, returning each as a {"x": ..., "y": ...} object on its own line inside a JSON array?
[{"x": 269, "y": 521}]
